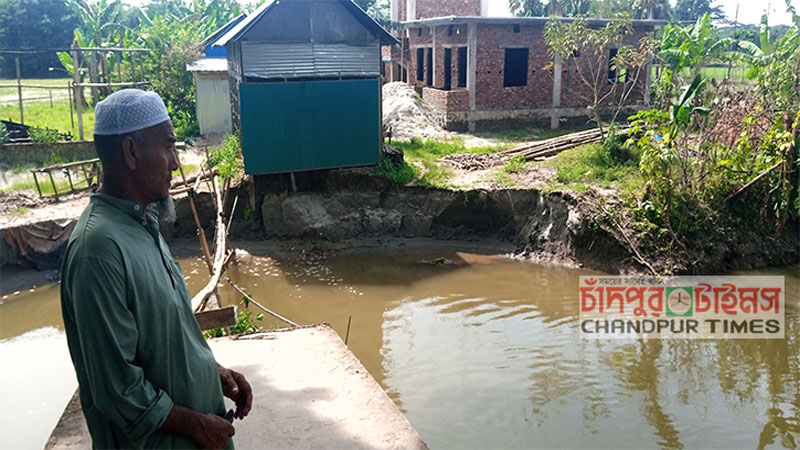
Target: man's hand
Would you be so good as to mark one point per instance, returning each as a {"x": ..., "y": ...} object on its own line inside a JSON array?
[
  {"x": 213, "y": 431},
  {"x": 236, "y": 388},
  {"x": 207, "y": 430}
]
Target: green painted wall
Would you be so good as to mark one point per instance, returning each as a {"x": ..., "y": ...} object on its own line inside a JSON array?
[{"x": 297, "y": 126}]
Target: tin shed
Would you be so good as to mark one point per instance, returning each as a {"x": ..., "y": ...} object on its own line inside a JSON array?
[
  {"x": 305, "y": 85},
  {"x": 210, "y": 74}
]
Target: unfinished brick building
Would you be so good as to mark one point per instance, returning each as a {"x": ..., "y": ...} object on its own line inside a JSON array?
[{"x": 477, "y": 71}]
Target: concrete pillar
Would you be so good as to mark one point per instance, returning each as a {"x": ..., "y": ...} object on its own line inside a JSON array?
[
  {"x": 411, "y": 9},
  {"x": 557, "y": 69},
  {"x": 484, "y": 11},
  {"x": 472, "y": 69},
  {"x": 434, "y": 58},
  {"x": 394, "y": 10}
]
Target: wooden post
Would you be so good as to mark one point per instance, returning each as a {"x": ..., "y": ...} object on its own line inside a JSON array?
[
  {"x": 19, "y": 91},
  {"x": 69, "y": 94},
  {"x": 76, "y": 83},
  {"x": 69, "y": 178},
  {"x": 55, "y": 191},
  {"x": 93, "y": 76},
  {"x": 200, "y": 232},
  {"x": 35, "y": 180}
]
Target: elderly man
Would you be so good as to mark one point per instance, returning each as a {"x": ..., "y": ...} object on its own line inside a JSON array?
[{"x": 147, "y": 377}]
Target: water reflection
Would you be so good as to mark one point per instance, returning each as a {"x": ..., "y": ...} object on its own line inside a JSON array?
[{"x": 482, "y": 352}]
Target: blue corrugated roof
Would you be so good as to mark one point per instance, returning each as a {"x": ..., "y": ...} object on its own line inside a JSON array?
[
  {"x": 245, "y": 24},
  {"x": 369, "y": 23},
  {"x": 209, "y": 41}
]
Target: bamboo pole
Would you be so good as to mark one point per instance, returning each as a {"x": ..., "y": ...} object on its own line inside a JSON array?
[
  {"x": 76, "y": 84},
  {"x": 201, "y": 235},
  {"x": 19, "y": 91}
]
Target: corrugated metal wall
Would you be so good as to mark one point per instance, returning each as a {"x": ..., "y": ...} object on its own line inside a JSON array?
[
  {"x": 274, "y": 61},
  {"x": 213, "y": 104},
  {"x": 306, "y": 125}
]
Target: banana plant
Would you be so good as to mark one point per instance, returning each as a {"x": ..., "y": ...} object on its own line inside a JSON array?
[{"x": 682, "y": 112}]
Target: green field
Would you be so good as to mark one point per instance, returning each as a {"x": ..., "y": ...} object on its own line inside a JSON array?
[
  {"x": 719, "y": 73},
  {"x": 35, "y": 92},
  {"x": 41, "y": 114}
]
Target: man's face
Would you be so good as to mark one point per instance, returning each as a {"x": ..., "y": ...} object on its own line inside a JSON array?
[{"x": 157, "y": 147}]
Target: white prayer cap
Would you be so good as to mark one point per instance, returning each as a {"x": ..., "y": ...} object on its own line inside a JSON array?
[{"x": 127, "y": 111}]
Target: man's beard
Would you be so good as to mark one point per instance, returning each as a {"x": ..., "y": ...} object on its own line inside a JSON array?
[{"x": 166, "y": 211}]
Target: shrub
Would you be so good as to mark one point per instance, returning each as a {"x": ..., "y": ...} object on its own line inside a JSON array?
[
  {"x": 227, "y": 158},
  {"x": 3, "y": 134},
  {"x": 515, "y": 164},
  {"x": 43, "y": 135},
  {"x": 401, "y": 173}
]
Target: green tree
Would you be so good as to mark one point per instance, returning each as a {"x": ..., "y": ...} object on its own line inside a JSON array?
[
  {"x": 684, "y": 50},
  {"x": 538, "y": 8},
  {"x": 638, "y": 9},
  {"x": 695, "y": 9},
  {"x": 34, "y": 24},
  {"x": 603, "y": 95}
]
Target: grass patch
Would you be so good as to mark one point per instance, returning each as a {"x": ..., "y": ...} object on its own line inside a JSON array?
[
  {"x": 515, "y": 164},
  {"x": 426, "y": 153},
  {"x": 504, "y": 179},
  {"x": 188, "y": 170},
  {"x": 41, "y": 114},
  {"x": 29, "y": 184},
  {"x": 36, "y": 92},
  {"x": 402, "y": 173},
  {"x": 592, "y": 165},
  {"x": 19, "y": 211}
]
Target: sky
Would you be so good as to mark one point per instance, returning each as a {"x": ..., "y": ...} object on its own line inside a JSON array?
[{"x": 750, "y": 11}]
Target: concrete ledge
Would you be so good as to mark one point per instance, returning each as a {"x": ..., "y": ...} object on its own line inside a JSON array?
[
  {"x": 43, "y": 153},
  {"x": 310, "y": 392}
]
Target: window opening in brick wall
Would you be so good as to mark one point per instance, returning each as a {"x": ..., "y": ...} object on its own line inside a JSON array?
[
  {"x": 420, "y": 64},
  {"x": 462, "y": 66},
  {"x": 449, "y": 30},
  {"x": 448, "y": 67},
  {"x": 429, "y": 77},
  {"x": 612, "y": 72},
  {"x": 516, "y": 28},
  {"x": 515, "y": 68}
]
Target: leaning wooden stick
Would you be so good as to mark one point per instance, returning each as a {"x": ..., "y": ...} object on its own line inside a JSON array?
[
  {"x": 220, "y": 257},
  {"x": 200, "y": 232}
]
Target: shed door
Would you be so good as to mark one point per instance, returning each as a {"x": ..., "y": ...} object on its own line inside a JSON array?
[{"x": 297, "y": 126}]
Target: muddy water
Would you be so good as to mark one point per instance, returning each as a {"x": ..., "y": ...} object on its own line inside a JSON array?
[{"x": 482, "y": 352}]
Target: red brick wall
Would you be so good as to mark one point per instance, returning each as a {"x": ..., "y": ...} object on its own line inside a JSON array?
[
  {"x": 489, "y": 90},
  {"x": 579, "y": 92},
  {"x": 444, "y": 103},
  {"x": 458, "y": 38},
  {"x": 441, "y": 8},
  {"x": 490, "y": 93}
]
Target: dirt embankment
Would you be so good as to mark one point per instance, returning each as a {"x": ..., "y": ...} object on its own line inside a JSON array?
[{"x": 340, "y": 208}]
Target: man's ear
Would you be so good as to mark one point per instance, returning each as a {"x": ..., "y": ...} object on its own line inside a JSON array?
[{"x": 130, "y": 152}]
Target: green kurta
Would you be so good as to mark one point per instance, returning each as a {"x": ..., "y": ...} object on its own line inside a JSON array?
[{"x": 135, "y": 344}]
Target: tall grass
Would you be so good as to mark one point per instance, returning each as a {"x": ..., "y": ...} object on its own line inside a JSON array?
[
  {"x": 594, "y": 165},
  {"x": 41, "y": 114}
]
